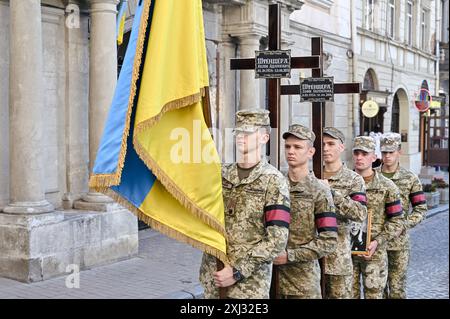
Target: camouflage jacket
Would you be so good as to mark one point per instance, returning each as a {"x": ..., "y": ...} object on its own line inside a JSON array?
[
  {"x": 312, "y": 235},
  {"x": 257, "y": 217},
  {"x": 349, "y": 195},
  {"x": 411, "y": 195},
  {"x": 384, "y": 210}
]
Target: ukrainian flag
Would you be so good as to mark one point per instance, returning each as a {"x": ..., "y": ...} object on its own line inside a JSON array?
[
  {"x": 156, "y": 156},
  {"x": 121, "y": 16}
]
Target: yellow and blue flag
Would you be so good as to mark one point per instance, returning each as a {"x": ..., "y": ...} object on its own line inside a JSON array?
[
  {"x": 156, "y": 156},
  {"x": 121, "y": 17}
]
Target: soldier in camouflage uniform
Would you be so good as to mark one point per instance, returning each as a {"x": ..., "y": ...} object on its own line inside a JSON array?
[
  {"x": 257, "y": 215},
  {"x": 349, "y": 195},
  {"x": 386, "y": 221},
  {"x": 313, "y": 228},
  {"x": 411, "y": 196}
]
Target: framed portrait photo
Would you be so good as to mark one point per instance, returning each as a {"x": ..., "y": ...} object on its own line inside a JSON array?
[{"x": 360, "y": 236}]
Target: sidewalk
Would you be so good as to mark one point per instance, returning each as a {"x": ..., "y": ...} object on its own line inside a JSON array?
[
  {"x": 164, "y": 268},
  {"x": 440, "y": 209},
  {"x": 428, "y": 263}
]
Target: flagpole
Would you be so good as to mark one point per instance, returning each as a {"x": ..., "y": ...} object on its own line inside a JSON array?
[
  {"x": 207, "y": 108},
  {"x": 208, "y": 119}
]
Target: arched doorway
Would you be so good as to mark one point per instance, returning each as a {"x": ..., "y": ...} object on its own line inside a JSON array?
[
  {"x": 370, "y": 92},
  {"x": 395, "y": 122},
  {"x": 400, "y": 112}
]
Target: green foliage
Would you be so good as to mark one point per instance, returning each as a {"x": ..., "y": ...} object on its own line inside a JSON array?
[
  {"x": 429, "y": 188},
  {"x": 439, "y": 183}
]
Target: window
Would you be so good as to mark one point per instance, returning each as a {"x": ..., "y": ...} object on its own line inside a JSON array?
[
  {"x": 444, "y": 21},
  {"x": 369, "y": 81},
  {"x": 395, "y": 122},
  {"x": 368, "y": 15},
  {"x": 391, "y": 18},
  {"x": 423, "y": 29},
  {"x": 409, "y": 22}
]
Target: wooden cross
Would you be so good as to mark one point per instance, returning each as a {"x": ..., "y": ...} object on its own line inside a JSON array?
[
  {"x": 274, "y": 87},
  {"x": 275, "y": 90},
  {"x": 318, "y": 108}
]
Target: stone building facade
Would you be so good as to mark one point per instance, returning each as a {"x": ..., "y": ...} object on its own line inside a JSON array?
[
  {"x": 444, "y": 74},
  {"x": 397, "y": 47},
  {"x": 58, "y": 72},
  {"x": 55, "y": 91},
  {"x": 388, "y": 45}
]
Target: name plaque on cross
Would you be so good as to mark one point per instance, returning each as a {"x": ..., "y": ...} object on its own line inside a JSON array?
[
  {"x": 317, "y": 89},
  {"x": 273, "y": 64}
]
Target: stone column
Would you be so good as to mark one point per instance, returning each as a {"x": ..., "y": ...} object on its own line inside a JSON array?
[
  {"x": 77, "y": 105},
  {"x": 228, "y": 102},
  {"x": 249, "y": 88},
  {"x": 285, "y": 102},
  {"x": 102, "y": 82},
  {"x": 27, "y": 183}
]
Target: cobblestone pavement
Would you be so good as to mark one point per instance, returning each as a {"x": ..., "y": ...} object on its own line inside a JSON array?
[
  {"x": 165, "y": 268},
  {"x": 429, "y": 261}
]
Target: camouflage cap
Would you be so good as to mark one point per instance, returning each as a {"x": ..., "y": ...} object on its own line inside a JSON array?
[
  {"x": 250, "y": 120},
  {"x": 364, "y": 143},
  {"x": 390, "y": 142},
  {"x": 301, "y": 132},
  {"x": 334, "y": 133}
]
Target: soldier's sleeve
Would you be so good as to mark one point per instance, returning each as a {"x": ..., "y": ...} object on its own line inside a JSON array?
[
  {"x": 394, "y": 224},
  {"x": 418, "y": 203},
  {"x": 326, "y": 225},
  {"x": 353, "y": 206},
  {"x": 277, "y": 219}
]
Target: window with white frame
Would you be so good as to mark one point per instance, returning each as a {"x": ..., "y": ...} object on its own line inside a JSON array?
[
  {"x": 368, "y": 15},
  {"x": 391, "y": 18},
  {"x": 409, "y": 22},
  {"x": 423, "y": 29}
]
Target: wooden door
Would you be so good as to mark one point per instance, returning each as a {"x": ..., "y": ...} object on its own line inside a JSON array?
[{"x": 436, "y": 137}]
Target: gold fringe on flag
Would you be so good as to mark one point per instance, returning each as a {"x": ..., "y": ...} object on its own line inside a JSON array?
[
  {"x": 98, "y": 181},
  {"x": 172, "y": 233}
]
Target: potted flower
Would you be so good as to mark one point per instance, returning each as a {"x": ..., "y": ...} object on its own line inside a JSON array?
[
  {"x": 442, "y": 187},
  {"x": 432, "y": 195}
]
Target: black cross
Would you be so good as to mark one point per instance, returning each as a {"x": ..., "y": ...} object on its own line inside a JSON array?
[{"x": 275, "y": 90}]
